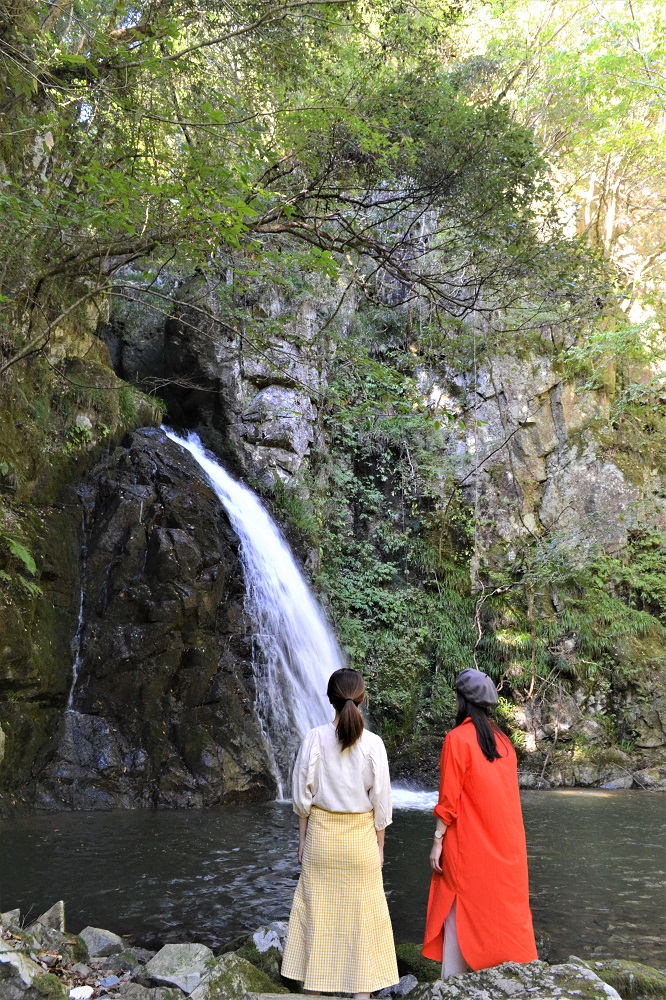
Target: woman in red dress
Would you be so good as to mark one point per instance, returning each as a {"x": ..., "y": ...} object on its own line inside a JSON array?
[{"x": 478, "y": 909}]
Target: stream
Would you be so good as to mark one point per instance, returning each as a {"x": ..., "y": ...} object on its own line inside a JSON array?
[{"x": 597, "y": 870}]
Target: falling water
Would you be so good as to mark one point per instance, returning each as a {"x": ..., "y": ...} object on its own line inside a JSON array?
[
  {"x": 298, "y": 649},
  {"x": 76, "y": 645}
]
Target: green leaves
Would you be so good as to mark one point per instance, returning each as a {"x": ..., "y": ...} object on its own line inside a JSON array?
[{"x": 20, "y": 552}]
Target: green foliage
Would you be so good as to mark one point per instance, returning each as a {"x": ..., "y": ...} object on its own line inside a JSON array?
[{"x": 18, "y": 561}]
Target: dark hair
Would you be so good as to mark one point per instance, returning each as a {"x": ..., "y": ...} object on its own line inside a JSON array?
[
  {"x": 485, "y": 729},
  {"x": 346, "y": 691}
]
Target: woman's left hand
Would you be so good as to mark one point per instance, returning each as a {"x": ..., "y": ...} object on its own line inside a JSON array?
[{"x": 436, "y": 856}]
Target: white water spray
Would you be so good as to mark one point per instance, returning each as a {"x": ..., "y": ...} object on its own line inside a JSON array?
[
  {"x": 298, "y": 649},
  {"x": 78, "y": 635}
]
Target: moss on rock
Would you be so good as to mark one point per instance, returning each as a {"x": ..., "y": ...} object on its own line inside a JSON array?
[
  {"x": 269, "y": 962},
  {"x": 412, "y": 962},
  {"x": 49, "y": 987},
  {"x": 232, "y": 976},
  {"x": 632, "y": 980}
]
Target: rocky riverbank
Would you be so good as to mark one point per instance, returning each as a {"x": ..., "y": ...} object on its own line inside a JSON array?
[{"x": 43, "y": 961}]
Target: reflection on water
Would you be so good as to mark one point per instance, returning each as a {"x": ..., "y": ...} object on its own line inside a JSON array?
[{"x": 597, "y": 871}]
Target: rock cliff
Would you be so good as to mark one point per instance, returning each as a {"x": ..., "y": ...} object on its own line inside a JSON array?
[{"x": 161, "y": 700}]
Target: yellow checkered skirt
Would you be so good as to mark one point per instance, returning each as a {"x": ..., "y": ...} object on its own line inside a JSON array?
[{"x": 340, "y": 938}]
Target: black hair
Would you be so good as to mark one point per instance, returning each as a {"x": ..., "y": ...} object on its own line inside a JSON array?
[{"x": 486, "y": 730}]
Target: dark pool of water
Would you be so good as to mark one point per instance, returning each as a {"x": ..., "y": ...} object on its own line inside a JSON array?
[{"x": 597, "y": 871}]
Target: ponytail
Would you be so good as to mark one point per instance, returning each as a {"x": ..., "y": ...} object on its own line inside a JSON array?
[
  {"x": 485, "y": 729},
  {"x": 346, "y": 691}
]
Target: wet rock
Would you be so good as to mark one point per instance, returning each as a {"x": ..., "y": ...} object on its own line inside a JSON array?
[
  {"x": 164, "y": 701},
  {"x": 511, "y": 979},
  {"x": 231, "y": 976},
  {"x": 100, "y": 942},
  {"x": 401, "y": 989},
  {"x": 181, "y": 965}
]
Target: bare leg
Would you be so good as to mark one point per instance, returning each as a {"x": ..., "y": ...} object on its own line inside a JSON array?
[
  {"x": 453, "y": 963},
  {"x": 361, "y": 996}
]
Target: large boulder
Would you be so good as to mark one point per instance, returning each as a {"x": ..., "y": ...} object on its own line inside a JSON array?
[
  {"x": 163, "y": 704},
  {"x": 521, "y": 982},
  {"x": 101, "y": 943},
  {"x": 18, "y": 973},
  {"x": 53, "y": 918},
  {"x": 181, "y": 965},
  {"x": 230, "y": 977}
]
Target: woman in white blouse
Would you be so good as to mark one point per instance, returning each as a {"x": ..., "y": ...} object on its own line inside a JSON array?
[{"x": 340, "y": 938}]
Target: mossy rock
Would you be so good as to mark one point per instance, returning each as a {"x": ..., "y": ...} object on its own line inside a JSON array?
[
  {"x": 269, "y": 962},
  {"x": 49, "y": 987},
  {"x": 632, "y": 980},
  {"x": 232, "y": 976},
  {"x": 412, "y": 962}
]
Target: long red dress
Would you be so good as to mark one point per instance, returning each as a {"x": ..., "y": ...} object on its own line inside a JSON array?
[{"x": 484, "y": 857}]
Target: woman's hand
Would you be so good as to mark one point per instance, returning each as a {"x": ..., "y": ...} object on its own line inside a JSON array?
[
  {"x": 302, "y": 834},
  {"x": 436, "y": 856},
  {"x": 380, "y": 846}
]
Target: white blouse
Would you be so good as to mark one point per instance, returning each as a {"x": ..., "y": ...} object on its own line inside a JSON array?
[{"x": 352, "y": 781}]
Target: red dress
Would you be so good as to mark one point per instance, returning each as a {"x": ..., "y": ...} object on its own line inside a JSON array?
[{"x": 484, "y": 857}]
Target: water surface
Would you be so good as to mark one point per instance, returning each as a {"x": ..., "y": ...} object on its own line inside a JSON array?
[{"x": 597, "y": 871}]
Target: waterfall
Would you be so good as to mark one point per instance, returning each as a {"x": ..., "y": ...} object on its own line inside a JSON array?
[
  {"x": 78, "y": 635},
  {"x": 298, "y": 650}
]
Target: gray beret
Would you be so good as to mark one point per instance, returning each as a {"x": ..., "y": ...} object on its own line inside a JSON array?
[{"x": 477, "y": 687}]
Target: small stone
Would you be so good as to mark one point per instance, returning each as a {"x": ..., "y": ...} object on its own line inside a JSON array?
[
  {"x": 184, "y": 965},
  {"x": 401, "y": 989},
  {"x": 109, "y": 981},
  {"x": 81, "y": 993},
  {"x": 82, "y": 970},
  {"x": 101, "y": 943},
  {"x": 83, "y": 421},
  {"x": 54, "y": 917}
]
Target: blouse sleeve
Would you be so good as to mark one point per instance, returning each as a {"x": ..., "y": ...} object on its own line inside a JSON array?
[
  {"x": 303, "y": 778},
  {"x": 452, "y": 774},
  {"x": 380, "y": 793}
]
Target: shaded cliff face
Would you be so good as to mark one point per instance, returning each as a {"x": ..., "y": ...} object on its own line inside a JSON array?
[{"x": 162, "y": 707}]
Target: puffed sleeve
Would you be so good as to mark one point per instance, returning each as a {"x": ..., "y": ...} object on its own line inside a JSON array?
[
  {"x": 303, "y": 778},
  {"x": 380, "y": 793},
  {"x": 451, "y": 776}
]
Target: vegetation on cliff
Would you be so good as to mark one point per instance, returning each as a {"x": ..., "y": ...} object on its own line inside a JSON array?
[{"x": 458, "y": 184}]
